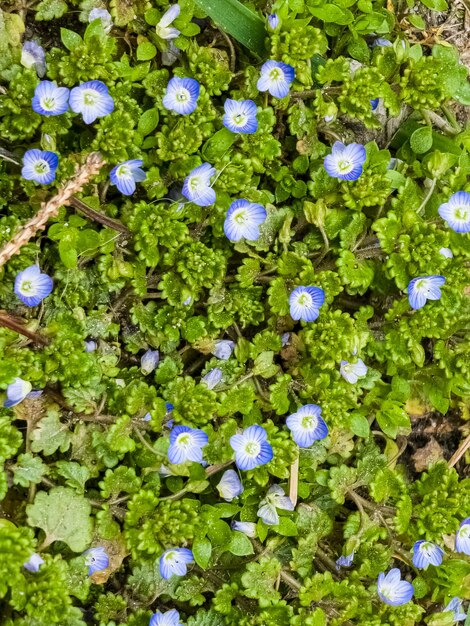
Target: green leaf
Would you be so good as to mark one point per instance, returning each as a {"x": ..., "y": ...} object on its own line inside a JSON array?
[
  {"x": 359, "y": 425},
  {"x": 218, "y": 144},
  {"x": 240, "y": 545},
  {"x": 238, "y": 21},
  {"x": 75, "y": 474},
  {"x": 28, "y": 469},
  {"x": 421, "y": 140},
  {"x": 393, "y": 419},
  {"x": 68, "y": 254},
  {"x": 332, "y": 13},
  {"x": 436, "y": 5},
  {"x": 50, "y": 435},
  {"x": 63, "y": 516},
  {"x": 148, "y": 122},
  {"x": 287, "y": 527},
  {"x": 50, "y": 9},
  {"x": 202, "y": 550},
  {"x": 146, "y": 51},
  {"x": 70, "y": 39}
]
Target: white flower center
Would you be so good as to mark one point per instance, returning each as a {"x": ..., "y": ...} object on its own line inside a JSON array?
[
  {"x": 464, "y": 532},
  {"x": 41, "y": 167},
  {"x": 422, "y": 286},
  {"x": 90, "y": 98},
  {"x": 252, "y": 448},
  {"x": 240, "y": 217},
  {"x": 239, "y": 119},
  {"x": 182, "y": 95},
  {"x": 26, "y": 287},
  {"x": 344, "y": 165},
  {"x": 462, "y": 213},
  {"x": 309, "y": 422},
  {"x": 196, "y": 183},
  {"x": 304, "y": 299},
  {"x": 48, "y": 103},
  {"x": 275, "y": 74},
  {"x": 123, "y": 171},
  {"x": 184, "y": 440}
]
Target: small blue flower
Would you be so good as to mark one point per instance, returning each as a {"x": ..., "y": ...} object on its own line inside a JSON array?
[
  {"x": 126, "y": 175},
  {"x": 90, "y": 346},
  {"x": 392, "y": 590},
  {"x": 49, "y": 99},
  {"x": 17, "y": 391},
  {"x": 307, "y": 425},
  {"x": 96, "y": 559},
  {"x": 170, "y": 618},
  {"x": 247, "y": 528},
  {"x": 169, "y": 407},
  {"x": 230, "y": 486},
  {"x": 285, "y": 339},
  {"x": 455, "y": 606},
  {"x": 104, "y": 16},
  {"x": 374, "y": 103},
  {"x": 424, "y": 288},
  {"x": 446, "y": 252},
  {"x": 92, "y": 100},
  {"x": 223, "y": 349},
  {"x": 353, "y": 371},
  {"x": 175, "y": 562},
  {"x": 147, "y": 417},
  {"x": 462, "y": 538},
  {"x": 384, "y": 43},
  {"x": 186, "y": 444},
  {"x": 197, "y": 185},
  {"x": 34, "y": 563},
  {"x": 345, "y": 561},
  {"x": 305, "y": 303},
  {"x": 345, "y": 162},
  {"x": 276, "y": 77},
  {"x": 426, "y": 553},
  {"x": 181, "y": 95},
  {"x": 240, "y": 116},
  {"x": 212, "y": 378},
  {"x": 275, "y": 499},
  {"x": 329, "y": 118},
  {"x": 252, "y": 448},
  {"x": 273, "y": 22},
  {"x": 163, "y": 28},
  {"x": 243, "y": 220},
  {"x": 149, "y": 361},
  {"x": 40, "y": 166},
  {"x": 456, "y": 212},
  {"x": 31, "y": 286},
  {"x": 33, "y": 56},
  {"x": 188, "y": 301}
]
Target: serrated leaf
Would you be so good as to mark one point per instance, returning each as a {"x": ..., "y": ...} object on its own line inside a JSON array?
[
  {"x": 28, "y": 469},
  {"x": 50, "y": 9},
  {"x": 75, "y": 474},
  {"x": 50, "y": 435}
]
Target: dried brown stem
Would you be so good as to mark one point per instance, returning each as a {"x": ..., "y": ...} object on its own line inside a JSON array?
[
  {"x": 97, "y": 216},
  {"x": 8, "y": 321}
]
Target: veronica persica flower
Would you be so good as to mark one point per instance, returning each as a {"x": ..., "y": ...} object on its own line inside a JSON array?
[
  {"x": 126, "y": 175},
  {"x": 197, "y": 185},
  {"x": 49, "y": 99},
  {"x": 345, "y": 561},
  {"x": 247, "y": 528},
  {"x": 276, "y": 77},
  {"x": 230, "y": 486},
  {"x": 456, "y": 212},
  {"x": 374, "y": 103},
  {"x": 305, "y": 303},
  {"x": 181, "y": 95},
  {"x": 170, "y": 618},
  {"x": 345, "y": 162},
  {"x": 186, "y": 444},
  {"x": 33, "y": 563},
  {"x": 104, "y": 16},
  {"x": 273, "y": 22},
  {"x": 392, "y": 590},
  {"x": 32, "y": 286},
  {"x": 424, "y": 288},
  {"x": 455, "y": 606},
  {"x": 149, "y": 361},
  {"x": 307, "y": 425},
  {"x": 223, "y": 349},
  {"x": 462, "y": 538},
  {"x": 384, "y": 43},
  {"x": 175, "y": 562},
  {"x": 169, "y": 407},
  {"x": 164, "y": 28},
  {"x": 252, "y": 448},
  {"x": 17, "y": 391},
  {"x": 426, "y": 553},
  {"x": 243, "y": 220},
  {"x": 275, "y": 499},
  {"x": 353, "y": 371},
  {"x": 446, "y": 252},
  {"x": 33, "y": 56},
  {"x": 92, "y": 100},
  {"x": 90, "y": 346},
  {"x": 212, "y": 378},
  {"x": 96, "y": 559},
  {"x": 240, "y": 116},
  {"x": 40, "y": 166}
]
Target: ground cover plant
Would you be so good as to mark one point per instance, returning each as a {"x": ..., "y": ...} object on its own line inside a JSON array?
[{"x": 234, "y": 314}]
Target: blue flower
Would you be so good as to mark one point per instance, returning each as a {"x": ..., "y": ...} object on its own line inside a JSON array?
[
  {"x": 252, "y": 448},
  {"x": 90, "y": 346},
  {"x": 392, "y": 590},
  {"x": 230, "y": 486},
  {"x": 175, "y": 562},
  {"x": 305, "y": 303},
  {"x": 455, "y": 606},
  {"x": 163, "y": 28},
  {"x": 247, "y": 528},
  {"x": 345, "y": 561},
  {"x": 456, "y": 212},
  {"x": 149, "y": 361},
  {"x": 96, "y": 559},
  {"x": 126, "y": 175},
  {"x": 170, "y": 618},
  {"x": 181, "y": 95},
  {"x": 273, "y": 22},
  {"x": 147, "y": 417},
  {"x": 426, "y": 553},
  {"x": 243, "y": 220},
  {"x": 285, "y": 339},
  {"x": 169, "y": 407},
  {"x": 49, "y": 99},
  {"x": 240, "y": 116},
  {"x": 17, "y": 391},
  {"x": 345, "y": 162},
  {"x": 34, "y": 563},
  {"x": 424, "y": 288},
  {"x": 307, "y": 425},
  {"x": 212, "y": 378},
  {"x": 276, "y": 77},
  {"x": 40, "y": 166},
  {"x": 275, "y": 499},
  {"x": 374, "y": 103},
  {"x": 186, "y": 444},
  {"x": 462, "y": 538},
  {"x": 223, "y": 349},
  {"x": 446, "y": 252},
  {"x": 31, "y": 286},
  {"x": 197, "y": 185},
  {"x": 33, "y": 56},
  {"x": 353, "y": 371},
  {"x": 92, "y": 100},
  {"x": 104, "y": 16},
  {"x": 384, "y": 43}
]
